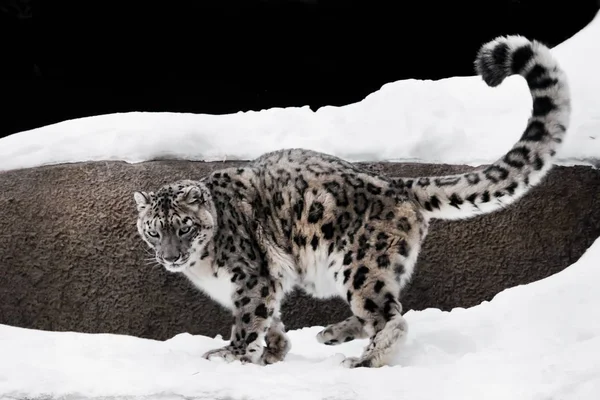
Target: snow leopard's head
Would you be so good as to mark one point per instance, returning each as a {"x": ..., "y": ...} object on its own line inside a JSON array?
[{"x": 177, "y": 222}]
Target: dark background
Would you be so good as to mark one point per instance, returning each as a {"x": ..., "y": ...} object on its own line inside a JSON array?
[{"x": 63, "y": 60}]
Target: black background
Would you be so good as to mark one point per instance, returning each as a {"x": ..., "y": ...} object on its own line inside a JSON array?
[{"x": 68, "y": 60}]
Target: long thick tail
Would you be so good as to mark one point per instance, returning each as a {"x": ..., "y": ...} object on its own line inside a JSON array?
[{"x": 500, "y": 184}]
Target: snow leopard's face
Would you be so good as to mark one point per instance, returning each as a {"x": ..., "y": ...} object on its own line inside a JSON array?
[{"x": 176, "y": 222}]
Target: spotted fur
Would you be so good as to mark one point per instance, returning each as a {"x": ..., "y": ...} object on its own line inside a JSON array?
[{"x": 297, "y": 218}]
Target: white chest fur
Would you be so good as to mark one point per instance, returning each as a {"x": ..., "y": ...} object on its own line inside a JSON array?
[{"x": 219, "y": 287}]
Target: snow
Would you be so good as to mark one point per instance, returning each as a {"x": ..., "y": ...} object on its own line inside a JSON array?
[
  {"x": 537, "y": 341},
  {"x": 457, "y": 120}
]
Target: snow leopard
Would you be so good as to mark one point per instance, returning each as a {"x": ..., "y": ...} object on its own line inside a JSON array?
[{"x": 295, "y": 218}]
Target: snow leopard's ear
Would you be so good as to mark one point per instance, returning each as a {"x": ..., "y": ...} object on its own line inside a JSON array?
[
  {"x": 193, "y": 195},
  {"x": 142, "y": 200}
]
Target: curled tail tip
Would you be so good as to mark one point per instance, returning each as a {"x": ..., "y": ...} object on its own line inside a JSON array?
[{"x": 505, "y": 56}]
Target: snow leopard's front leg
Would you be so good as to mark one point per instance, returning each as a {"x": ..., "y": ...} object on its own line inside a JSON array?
[
  {"x": 278, "y": 343},
  {"x": 256, "y": 298}
]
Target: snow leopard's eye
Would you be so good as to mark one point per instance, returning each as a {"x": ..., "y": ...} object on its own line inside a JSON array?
[
  {"x": 153, "y": 234},
  {"x": 184, "y": 229}
]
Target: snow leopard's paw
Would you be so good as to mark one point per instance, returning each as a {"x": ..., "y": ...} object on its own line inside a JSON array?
[
  {"x": 345, "y": 331},
  {"x": 272, "y": 356},
  {"x": 278, "y": 345},
  {"x": 355, "y": 362},
  {"x": 230, "y": 353},
  {"x": 328, "y": 336}
]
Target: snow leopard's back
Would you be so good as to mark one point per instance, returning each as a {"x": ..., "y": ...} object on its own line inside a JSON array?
[{"x": 333, "y": 218}]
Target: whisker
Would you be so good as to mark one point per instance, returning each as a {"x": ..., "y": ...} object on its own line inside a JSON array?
[
  {"x": 145, "y": 247},
  {"x": 153, "y": 264}
]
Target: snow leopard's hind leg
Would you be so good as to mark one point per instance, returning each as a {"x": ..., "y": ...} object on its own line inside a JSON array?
[
  {"x": 384, "y": 323},
  {"x": 345, "y": 331},
  {"x": 376, "y": 269}
]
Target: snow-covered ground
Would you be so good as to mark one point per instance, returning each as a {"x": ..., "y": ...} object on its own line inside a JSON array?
[
  {"x": 538, "y": 341},
  {"x": 455, "y": 121}
]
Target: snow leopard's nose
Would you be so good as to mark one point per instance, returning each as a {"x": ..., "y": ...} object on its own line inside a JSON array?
[{"x": 171, "y": 257}]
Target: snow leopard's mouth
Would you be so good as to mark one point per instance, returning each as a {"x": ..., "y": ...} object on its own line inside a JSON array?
[{"x": 177, "y": 266}]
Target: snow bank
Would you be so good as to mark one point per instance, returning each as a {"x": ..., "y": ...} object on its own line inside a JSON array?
[
  {"x": 532, "y": 342},
  {"x": 457, "y": 120}
]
